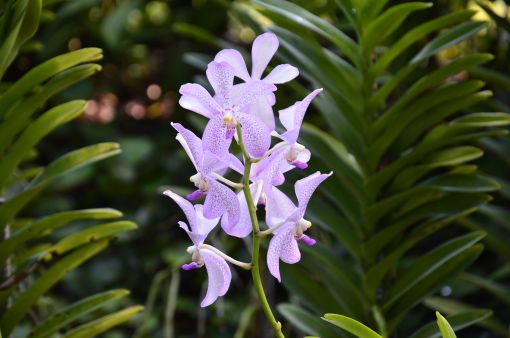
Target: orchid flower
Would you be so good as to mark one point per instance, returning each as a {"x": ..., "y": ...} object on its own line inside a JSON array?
[
  {"x": 219, "y": 199},
  {"x": 292, "y": 118},
  {"x": 263, "y": 49},
  {"x": 263, "y": 175},
  {"x": 227, "y": 109},
  {"x": 288, "y": 223},
  {"x": 218, "y": 271}
]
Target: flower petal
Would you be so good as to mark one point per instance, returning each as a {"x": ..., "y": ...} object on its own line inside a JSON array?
[
  {"x": 281, "y": 74},
  {"x": 214, "y": 139},
  {"x": 236, "y": 164},
  {"x": 221, "y": 77},
  {"x": 278, "y": 207},
  {"x": 305, "y": 187},
  {"x": 264, "y": 111},
  {"x": 218, "y": 274},
  {"x": 195, "y": 237},
  {"x": 262, "y": 51},
  {"x": 191, "y": 144},
  {"x": 203, "y": 225},
  {"x": 256, "y": 137},
  {"x": 292, "y": 117},
  {"x": 186, "y": 207},
  {"x": 235, "y": 59},
  {"x": 197, "y": 99},
  {"x": 243, "y": 227},
  {"x": 221, "y": 201},
  {"x": 282, "y": 246},
  {"x": 246, "y": 94}
]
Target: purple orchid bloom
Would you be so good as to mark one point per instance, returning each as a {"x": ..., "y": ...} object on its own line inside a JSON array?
[
  {"x": 292, "y": 119},
  {"x": 282, "y": 214},
  {"x": 263, "y": 49},
  {"x": 263, "y": 175},
  {"x": 219, "y": 199},
  {"x": 228, "y": 108},
  {"x": 218, "y": 271}
]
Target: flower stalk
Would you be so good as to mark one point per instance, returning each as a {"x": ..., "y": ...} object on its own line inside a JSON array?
[{"x": 255, "y": 267}]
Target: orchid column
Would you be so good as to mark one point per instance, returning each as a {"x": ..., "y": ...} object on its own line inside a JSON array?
[{"x": 244, "y": 113}]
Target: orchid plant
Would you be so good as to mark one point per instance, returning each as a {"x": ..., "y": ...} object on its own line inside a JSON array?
[{"x": 244, "y": 112}]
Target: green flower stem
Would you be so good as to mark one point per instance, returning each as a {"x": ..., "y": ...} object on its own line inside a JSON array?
[{"x": 255, "y": 270}]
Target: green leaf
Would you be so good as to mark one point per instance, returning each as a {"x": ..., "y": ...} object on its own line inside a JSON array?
[
  {"x": 20, "y": 114},
  {"x": 35, "y": 132},
  {"x": 449, "y": 38},
  {"x": 384, "y": 25},
  {"x": 306, "y": 19},
  {"x": 98, "y": 326},
  {"x": 87, "y": 236},
  {"x": 444, "y": 327},
  {"x": 74, "y": 311},
  {"x": 431, "y": 283},
  {"x": 45, "y": 71},
  {"x": 47, "y": 224},
  {"x": 352, "y": 326},
  {"x": 499, "y": 291},
  {"x": 415, "y": 35},
  {"x": 452, "y": 307},
  {"x": 429, "y": 81},
  {"x": 50, "y": 277},
  {"x": 428, "y": 264},
  {"x": 308, "y": 323},
  {"x": 63, "y": 165},
  {"x": 463, "y": 183},
  {"x": 457, "y": 321}
]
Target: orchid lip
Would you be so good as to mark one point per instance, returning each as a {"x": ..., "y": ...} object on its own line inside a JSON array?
[
  {"x": 195, "y": 195},
  {"x": 190, "y": 266},
  {"x": 306, "y": 240},
  {"x": 299, "y": 164}
]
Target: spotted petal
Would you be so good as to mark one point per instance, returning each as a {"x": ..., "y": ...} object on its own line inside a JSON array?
[
  {"x": 197, "y": 99},
  {"x": 218, "y": 274},
  {"x": 243, "y": 227},
  {"x": 191, "y": 144},
  {"x": 263, "y": 49},
  {"x": 282, "y": 246},
  {"x": 214, "y": 138},
  {"x": 235, "y": 59},
  {"x": 305, "y": 187},
  {"x": 221, "y": 201},
  {"x": 221, "y": 78},
  {"x": 256, "y": 137}
]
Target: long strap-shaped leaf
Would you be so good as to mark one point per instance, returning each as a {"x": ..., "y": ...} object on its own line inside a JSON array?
[
  {"x": 67, "y": 315},
  {"x": 23, "y": 302},
  {"x": 63, "y": 165},
  {"x": 352, "y": 326},
  {"x": 96, "y": 327}
]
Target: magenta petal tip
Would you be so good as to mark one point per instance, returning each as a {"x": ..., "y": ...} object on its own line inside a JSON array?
[
  {"x": 229, "y": 134},
  {"x": 190, "y": 266},
  {"x": 306, "y": 240},
  {"x": 300, "y": 165},
  {"x": 195, "y": 195}
]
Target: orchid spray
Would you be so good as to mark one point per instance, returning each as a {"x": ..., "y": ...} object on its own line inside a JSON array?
[{"x": 244, "y": 112}]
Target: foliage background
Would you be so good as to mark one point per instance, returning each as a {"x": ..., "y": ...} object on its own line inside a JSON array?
[{"x": 153, "y": 46}]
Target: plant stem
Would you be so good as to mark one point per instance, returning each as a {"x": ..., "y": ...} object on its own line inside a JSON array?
[{"x": 255, "y": 270}]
